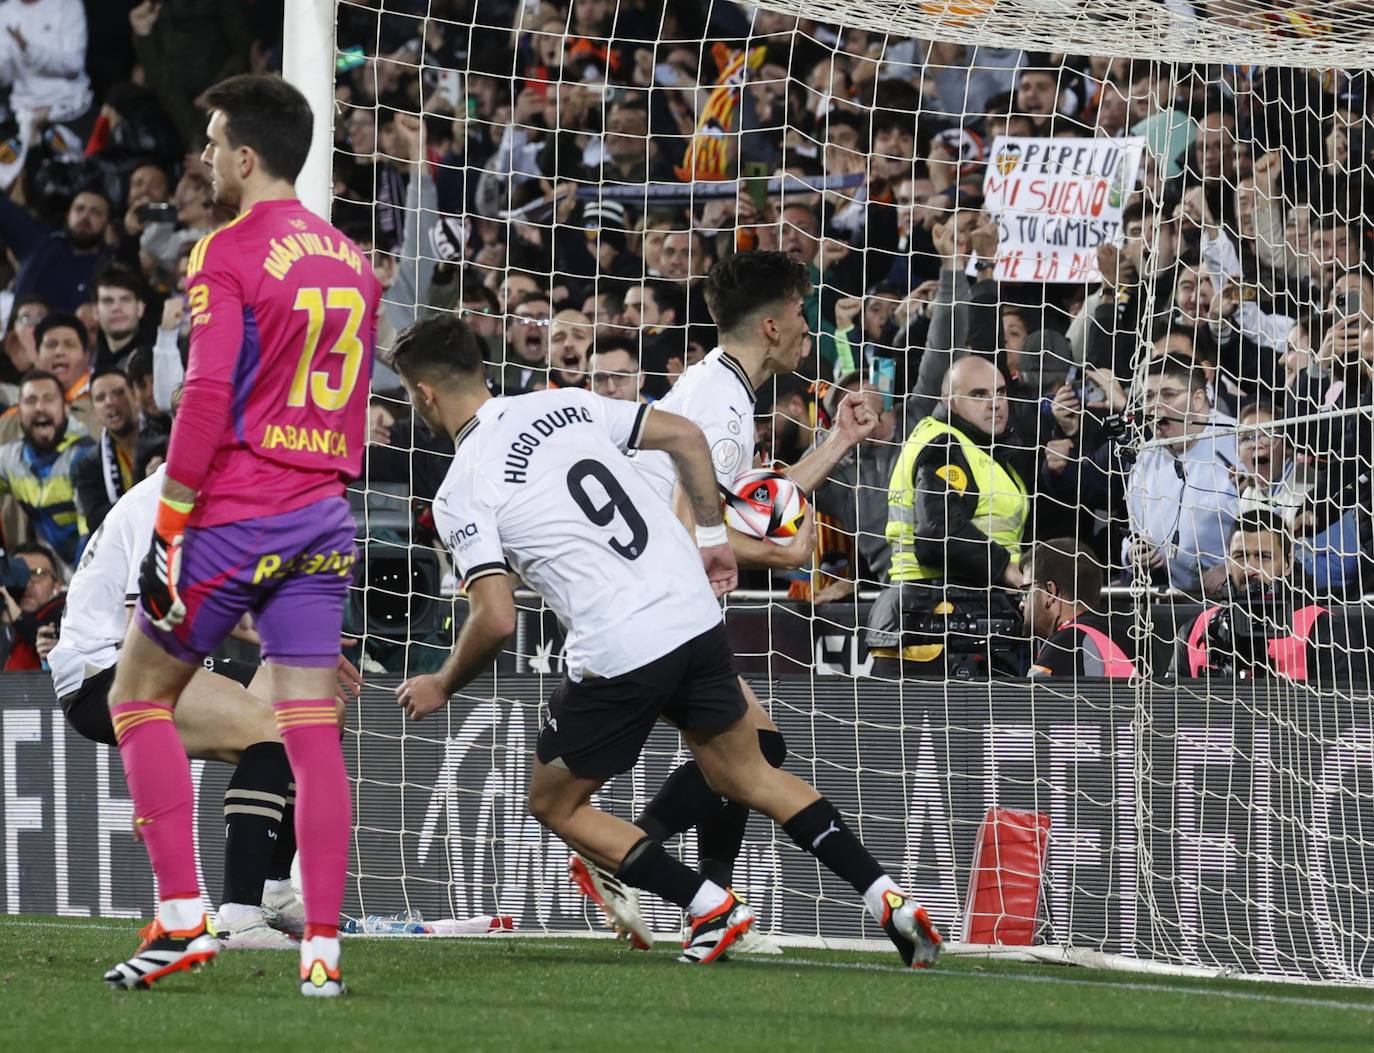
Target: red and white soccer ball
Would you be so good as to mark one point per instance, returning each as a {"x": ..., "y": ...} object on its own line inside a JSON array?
[{"x": 766, "y": 504}]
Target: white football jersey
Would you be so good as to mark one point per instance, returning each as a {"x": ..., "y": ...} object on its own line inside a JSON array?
[
  {"x": 104, "y": 586},
  {"x": 539, "y": 486},
  {"x": 716, "y": 396}
]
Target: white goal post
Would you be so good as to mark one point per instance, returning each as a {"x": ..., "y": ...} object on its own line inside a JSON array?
[{"x": 308, "y": 63}]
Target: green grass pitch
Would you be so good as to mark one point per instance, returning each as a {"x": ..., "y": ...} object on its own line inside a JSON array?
[{"x": 538, "y": 994}]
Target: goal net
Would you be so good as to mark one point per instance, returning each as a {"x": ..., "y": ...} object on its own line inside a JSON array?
[{"x": 1152, "y": 217}]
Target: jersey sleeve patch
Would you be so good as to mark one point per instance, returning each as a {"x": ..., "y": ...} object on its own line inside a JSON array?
[
  {"x": 472, "y": 537},
  {"x": 726, "y": 455},
  {"x": 198, "y": 297}
]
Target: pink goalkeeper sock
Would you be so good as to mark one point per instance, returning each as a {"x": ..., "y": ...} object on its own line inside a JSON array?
[
  {"x": 159, "y": 778},
  {"x": 324, "y": 814}
]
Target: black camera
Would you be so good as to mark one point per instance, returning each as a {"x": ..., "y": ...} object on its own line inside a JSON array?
[
  {"x": 1239, "y": 634},
  {"x": 965, "y": 633},
  {"x": 14, "y": 576},
  {"x": 1114, "y": 425},
  {"x": 962, "y": 632}
]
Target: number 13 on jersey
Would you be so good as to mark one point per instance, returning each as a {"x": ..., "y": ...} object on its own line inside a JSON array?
[{"x": 315, "y": 302}]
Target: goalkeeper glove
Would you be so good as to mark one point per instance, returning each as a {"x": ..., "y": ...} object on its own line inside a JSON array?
[{"x": 157, "y": 579}]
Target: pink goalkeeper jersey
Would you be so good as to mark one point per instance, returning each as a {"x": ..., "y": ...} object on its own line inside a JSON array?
[{"x": 273, "y": 413}]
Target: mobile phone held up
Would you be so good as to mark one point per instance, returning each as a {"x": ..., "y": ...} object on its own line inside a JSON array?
[{"x": 161, "y": 212}]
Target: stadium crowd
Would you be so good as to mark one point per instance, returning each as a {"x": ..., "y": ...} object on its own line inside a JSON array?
[{"x": 566, "y": 184}]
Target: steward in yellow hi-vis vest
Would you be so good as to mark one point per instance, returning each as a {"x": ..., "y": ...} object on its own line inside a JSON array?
[
  {"x": 975, "y": 499},
  {"x": 957, "y": 510}
]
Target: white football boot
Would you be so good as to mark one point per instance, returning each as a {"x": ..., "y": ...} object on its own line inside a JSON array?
[{"x": 619, "y": 903}]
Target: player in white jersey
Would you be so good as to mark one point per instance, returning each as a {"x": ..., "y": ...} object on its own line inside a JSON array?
[
  {"x": 538, "y": 488},
  {"x": 757, "y": 301},
  {"x": 217, "y": 720}
]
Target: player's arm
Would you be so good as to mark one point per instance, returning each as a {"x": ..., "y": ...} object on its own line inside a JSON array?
[
  {"x": 216, "y": 302},
  {"x": 726, "y": 454},
  {"x": 756, "y": 552},
  {"x": 855, "y": 420},
  {"x": 490, "y": 623},
  {"x": 684, "y": 442},
  {"x": 466, "y": 514}
]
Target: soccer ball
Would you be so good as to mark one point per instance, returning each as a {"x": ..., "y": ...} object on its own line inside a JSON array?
[{"x": 765, "y": 504}]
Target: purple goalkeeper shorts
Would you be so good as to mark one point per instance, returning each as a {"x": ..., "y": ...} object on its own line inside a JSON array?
[{"x": 290, "y": 571}]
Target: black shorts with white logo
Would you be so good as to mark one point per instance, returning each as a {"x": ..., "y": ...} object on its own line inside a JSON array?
[
  {"x": 87, "y": 709},
  {"x": 597, "y": 727}
]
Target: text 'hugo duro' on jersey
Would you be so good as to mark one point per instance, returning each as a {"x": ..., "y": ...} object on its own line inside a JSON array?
[{"x": 540, "y": 486}]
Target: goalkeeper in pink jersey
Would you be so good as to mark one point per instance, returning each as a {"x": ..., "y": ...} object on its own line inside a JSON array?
[{"x": 253, "y": 517}]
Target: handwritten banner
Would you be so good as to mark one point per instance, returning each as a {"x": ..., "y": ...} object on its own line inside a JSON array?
[{"x": 1056, "y": 201}]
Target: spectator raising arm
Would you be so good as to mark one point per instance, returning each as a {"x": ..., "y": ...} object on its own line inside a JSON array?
[
  {"x": 20, "y": 229},
  {"x": 168, "y": 370}
]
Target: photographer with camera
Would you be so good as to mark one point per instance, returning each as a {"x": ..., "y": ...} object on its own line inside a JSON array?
[
  {"x": 1265, "y": 625},
  {"x": 32, "y": 593},
  {"x": 957, "y": 511},
  {"x": 1059, "y": 605}
]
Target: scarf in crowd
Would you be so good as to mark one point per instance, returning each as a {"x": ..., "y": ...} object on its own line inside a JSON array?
[
  {"x": 708, "y": 153},
  {"x": 113, "y": 468}
]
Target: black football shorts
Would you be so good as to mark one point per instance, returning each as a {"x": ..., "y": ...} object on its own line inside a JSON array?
[{"x": 598, "y": 725}]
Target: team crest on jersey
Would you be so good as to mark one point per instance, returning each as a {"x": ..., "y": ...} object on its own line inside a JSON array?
[{"x": 300, "y": 224}]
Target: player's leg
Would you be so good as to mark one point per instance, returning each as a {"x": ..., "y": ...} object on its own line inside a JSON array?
[
  {"x": 216, "y": 719},
  {"x": 155, "y": 665},
  {"x": 685, "y": 800},
  {"x": 731, "y": 760},
  {"x": 596, "y": 729},
  {"x": 300, "y": 623},
  {"x": 324, "y": 815},
  {"x": 561, "y": 801},
  {"x": 708, "y": 708},
  {"x": 720, "y": 836},
  {"x": 147, "y": 683},
  {"x": 281, "y": 904},
  {"x": 219, "y": 719}
]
